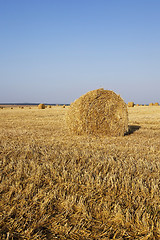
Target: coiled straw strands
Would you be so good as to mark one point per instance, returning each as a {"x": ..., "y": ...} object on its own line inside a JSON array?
[{"x": 98, "y": 112}]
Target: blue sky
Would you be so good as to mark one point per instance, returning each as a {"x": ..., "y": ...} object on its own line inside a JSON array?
[{"x": 54, "y": 51}]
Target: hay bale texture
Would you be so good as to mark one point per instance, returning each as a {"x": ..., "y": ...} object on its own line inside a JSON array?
[
  {"x": 98, "y": 112},
  {"x": 41, "y": 106},
  {"x": 131, "y": 104}
]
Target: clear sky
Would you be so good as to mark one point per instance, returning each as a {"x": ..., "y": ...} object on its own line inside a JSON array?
[{"x": 54, "y": 51}]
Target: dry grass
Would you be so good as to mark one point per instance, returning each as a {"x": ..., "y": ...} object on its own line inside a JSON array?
[
  {"x": 54, "y": 185},
  {"x": 98, "y": 112}
]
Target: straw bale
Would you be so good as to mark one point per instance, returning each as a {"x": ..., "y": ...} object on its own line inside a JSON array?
[
  {"x": 156, "y": 104},
  {"x": 131, "y": 104},
  {"x": 49, "y": 106},
  {"x": 64, "y": 106},
  {"x": 41, "y": 106},
  {"x": 151, "y": 104},
  {"x": 137, "y": 105},
  {"x": 98, "y": 112}
]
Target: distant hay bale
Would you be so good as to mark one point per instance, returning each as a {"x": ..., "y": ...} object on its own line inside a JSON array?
[
  {"x": 49, "y": 106},
  {"x": 22, "y": 107},
  {"x": 41, "y": 106},
  {"x": 156, "y": 104},
  {"x": 100, "y": 112},
  {"x": 137, "y": 105},
  {"x": 64, "y": 106},
  {"x": 151, "y": 104},
  {"x": 131, "y": 104}
]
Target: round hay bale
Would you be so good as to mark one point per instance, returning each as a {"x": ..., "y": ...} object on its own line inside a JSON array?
[
  {"x": 156, "y": 104},
  {"x": 131, "y": 104},
  {"x": 151, "y": 104},
  {"x": 64, "y": 106},
  {"x": 41, "y": 106},
  {"x": 100, "y": 112},
  {"x": 137, "y": 105},
  {"x": 49, "y": 106}
]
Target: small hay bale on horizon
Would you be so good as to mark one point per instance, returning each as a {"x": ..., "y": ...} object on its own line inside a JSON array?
[
  {"x": 156, "y": 104},
  {"x": 41, "y": 106},
  {"x": 100, "y": 111},
  {"x": 130, "y": 104},
  {"x": 49, "y": 106},
  {"x": 151, "y": 104},
  {"x": 64, "y": 106}
]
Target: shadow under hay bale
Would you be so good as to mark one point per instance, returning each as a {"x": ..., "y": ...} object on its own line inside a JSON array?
[
  {"x": 132, "y": 129},
  {"x": 101, "y": 112}
]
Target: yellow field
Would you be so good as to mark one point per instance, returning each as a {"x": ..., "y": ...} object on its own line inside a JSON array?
[{"x": 54, "y": 185}]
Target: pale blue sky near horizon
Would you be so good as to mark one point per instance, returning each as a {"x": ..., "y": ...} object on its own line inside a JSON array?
[{"x": 54, "y": 51}]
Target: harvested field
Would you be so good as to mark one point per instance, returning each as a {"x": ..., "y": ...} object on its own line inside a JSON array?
[{"x": 54, "y": 185}]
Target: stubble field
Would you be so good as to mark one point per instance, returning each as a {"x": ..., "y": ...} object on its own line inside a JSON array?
[{"x": 54, "y": 185}]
